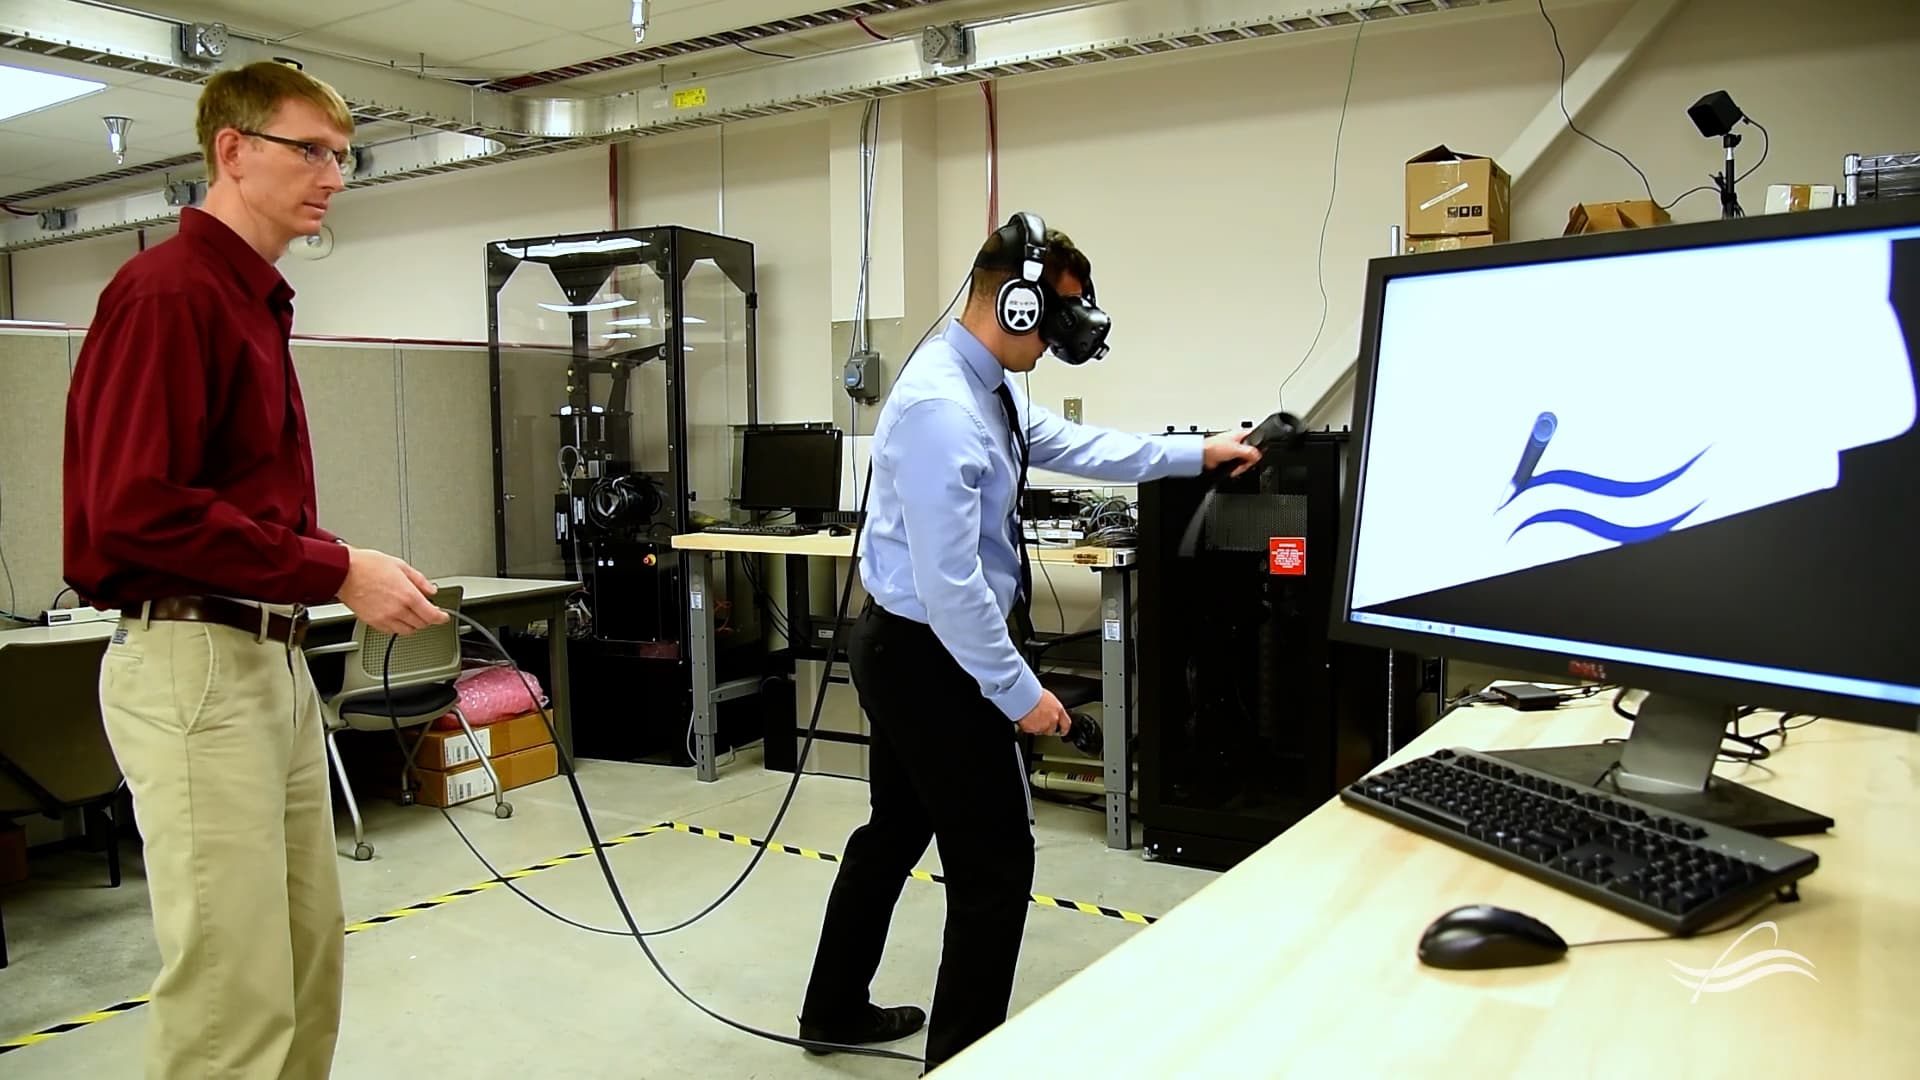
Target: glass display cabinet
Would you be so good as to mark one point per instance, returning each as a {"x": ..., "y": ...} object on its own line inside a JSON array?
[{"x": 623, "y": 369}]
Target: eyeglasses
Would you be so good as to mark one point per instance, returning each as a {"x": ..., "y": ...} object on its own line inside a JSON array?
[{"x": 315, "y": 154}]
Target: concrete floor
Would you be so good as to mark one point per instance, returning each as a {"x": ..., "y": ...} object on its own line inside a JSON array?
[{"x": 488, "y": 986}]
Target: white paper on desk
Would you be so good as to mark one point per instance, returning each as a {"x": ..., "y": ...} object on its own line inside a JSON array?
[{"x": 1747, "y": 370}]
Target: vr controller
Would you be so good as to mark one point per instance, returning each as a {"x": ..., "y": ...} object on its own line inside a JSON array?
[{"x": 1279, "y": 429}]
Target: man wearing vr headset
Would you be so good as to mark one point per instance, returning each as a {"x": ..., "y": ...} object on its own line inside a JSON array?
[{"x": 944, "y": 685}]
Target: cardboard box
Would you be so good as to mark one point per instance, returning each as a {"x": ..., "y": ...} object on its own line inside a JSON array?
[
  {"x": 1790, "y": 198},
  {"x": 1450, "y": 193},
  {"x": 1418, "y": 245},
  {"x": 469, "y": 782},
  {"x": 1608, "y": 216},
  {"x": 450, "y": 749}
]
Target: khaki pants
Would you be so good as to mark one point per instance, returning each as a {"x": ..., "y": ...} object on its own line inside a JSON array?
[{"x": 219, "y": 735}]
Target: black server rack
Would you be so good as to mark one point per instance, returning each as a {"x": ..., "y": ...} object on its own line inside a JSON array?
[{"x": 1250, "y": 715}]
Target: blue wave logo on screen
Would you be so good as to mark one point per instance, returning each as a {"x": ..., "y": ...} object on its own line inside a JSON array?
[{"x": 1525, "y": 480}]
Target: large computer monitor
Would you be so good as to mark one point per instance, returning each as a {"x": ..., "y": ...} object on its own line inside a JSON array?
[
  {"x": 790, "y": 469},
  {"x": 1681, "y": 459}
]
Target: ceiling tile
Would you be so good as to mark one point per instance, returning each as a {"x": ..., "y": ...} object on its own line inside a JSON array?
[
  {"x": 447, "y": 31},
  {"x": 173, "y": 88},
  {"x": 80, "y": 119},
  {"x": 540, "y": 56},
  {"x": 57, "y": 66},
  {"x": 85, "y": 161},
  {"x": 25, "y": 153},
  {"x": 265, "y": 17},
  {"x": 578, "y": 15},
  {"x": 669, "y": 23}
]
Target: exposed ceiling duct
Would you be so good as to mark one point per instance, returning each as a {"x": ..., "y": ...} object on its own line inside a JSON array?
[{"x": 516, "y": 126}]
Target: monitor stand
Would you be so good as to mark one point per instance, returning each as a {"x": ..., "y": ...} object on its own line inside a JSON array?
[{"x": 1668, "y": 762}]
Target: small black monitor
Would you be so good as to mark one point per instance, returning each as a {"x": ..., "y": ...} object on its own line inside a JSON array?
[
  {"x": 1680, "y": 459},
  {"x": 790, "y": 469}
]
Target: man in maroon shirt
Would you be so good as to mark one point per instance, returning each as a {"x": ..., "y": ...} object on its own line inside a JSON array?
[{"x": 190, "y": 507}]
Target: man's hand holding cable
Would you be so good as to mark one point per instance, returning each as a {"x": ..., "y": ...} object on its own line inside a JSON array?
[
  {"x": 1047, "y": 717},
  {"x": 387, "y": 594},
  {"x": 1230, "y": 446}
]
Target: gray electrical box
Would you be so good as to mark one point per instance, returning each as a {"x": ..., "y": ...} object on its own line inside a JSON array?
[{"x": 950, "y": 45}]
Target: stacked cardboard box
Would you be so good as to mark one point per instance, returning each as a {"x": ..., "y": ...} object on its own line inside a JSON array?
[
  {"x": 448, "y": 771},
  {"x": 1609, "y": 216},
  {"x": 1456, "y": 201}
]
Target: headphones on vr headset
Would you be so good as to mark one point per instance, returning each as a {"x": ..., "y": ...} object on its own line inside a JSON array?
[{"x": 1074, "y": 327}]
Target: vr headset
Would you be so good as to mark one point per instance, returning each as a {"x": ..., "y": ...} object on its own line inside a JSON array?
[{"x": 1073, "y": 327}]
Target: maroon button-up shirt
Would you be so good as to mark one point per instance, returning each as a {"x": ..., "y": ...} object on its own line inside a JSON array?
[{"x": 188, "y": 469}]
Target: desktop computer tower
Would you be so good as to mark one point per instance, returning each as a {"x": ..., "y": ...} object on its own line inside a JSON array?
[{"x": 1250, "y": 716}]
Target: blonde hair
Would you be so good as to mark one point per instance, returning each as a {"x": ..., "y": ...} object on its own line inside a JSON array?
[{"x": 247, "y": 98}]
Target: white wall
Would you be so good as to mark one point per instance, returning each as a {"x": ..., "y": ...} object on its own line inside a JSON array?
[
  {"x": 1196, "y": 181},
  {"x": 62, "y": 283}
]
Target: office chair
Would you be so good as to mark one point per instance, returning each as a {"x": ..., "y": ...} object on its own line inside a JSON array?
[
  {"x": 54, "y": 753},
  {"x": 421, "y": 676}
]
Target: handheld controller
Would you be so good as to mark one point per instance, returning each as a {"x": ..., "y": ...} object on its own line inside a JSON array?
[{"x": 1281, "y": 427}]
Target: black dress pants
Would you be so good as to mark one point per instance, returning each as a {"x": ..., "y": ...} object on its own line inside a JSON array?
[{"x": 943, "y": 764}]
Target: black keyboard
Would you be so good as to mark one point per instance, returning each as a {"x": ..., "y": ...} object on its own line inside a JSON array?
[
  {"x": 764, "y": 530},
  {"x": 1676, "y": 873}
]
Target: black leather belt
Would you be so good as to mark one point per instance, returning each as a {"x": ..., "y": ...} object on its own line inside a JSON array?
[{"x": 288, "y": 630}]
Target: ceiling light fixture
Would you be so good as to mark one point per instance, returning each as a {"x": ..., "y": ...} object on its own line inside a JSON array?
[
  {"x": 117, "y": 137},
  {"x": 23, "y": 90},
  {"x": 598, "y": 305},
  {"x": 639, "y": 21}
]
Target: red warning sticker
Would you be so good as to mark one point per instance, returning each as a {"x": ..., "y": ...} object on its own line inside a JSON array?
[{"x": 1287, "y": 555}]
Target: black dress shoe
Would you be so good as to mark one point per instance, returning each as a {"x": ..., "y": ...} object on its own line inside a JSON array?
[{"x": 876, "y": 1025}]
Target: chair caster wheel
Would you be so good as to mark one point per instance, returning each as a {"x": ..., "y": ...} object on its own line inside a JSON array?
[
  {"x": 406, "y": 798},
  {"x": 362, "y": 852},
  {"x": 503, "y": 810}
]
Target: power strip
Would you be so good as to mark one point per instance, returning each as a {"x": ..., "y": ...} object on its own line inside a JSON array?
[{"x": 74, "y": 616}]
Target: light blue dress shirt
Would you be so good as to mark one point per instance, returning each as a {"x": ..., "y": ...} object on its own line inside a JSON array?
[{"x": 937, "y": 547}]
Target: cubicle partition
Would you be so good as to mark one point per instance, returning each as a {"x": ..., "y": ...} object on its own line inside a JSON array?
[{"x": 402, "y": 446}]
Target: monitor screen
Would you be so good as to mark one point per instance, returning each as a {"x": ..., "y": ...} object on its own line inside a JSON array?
[
  {"x": 1690, "y": 455},
  {"x": 790, "y": 469}
]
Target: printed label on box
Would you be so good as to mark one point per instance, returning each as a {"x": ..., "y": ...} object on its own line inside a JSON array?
[
  {"x": 1287, "y": 555},
  {"x": 457, "y": 750},
  {"x": 464, "y": 786}
]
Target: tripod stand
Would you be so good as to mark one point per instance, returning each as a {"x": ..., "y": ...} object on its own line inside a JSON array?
[{"x": 1729, "y": 198}]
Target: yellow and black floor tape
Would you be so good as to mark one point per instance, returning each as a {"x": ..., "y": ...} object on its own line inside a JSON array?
[
  {"x": 429, "y": 904},
  {"x": 921, "y": 875},
  {"x": 111, "y": 1011}
]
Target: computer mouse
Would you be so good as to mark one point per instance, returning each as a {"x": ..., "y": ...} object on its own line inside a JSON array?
[
  {"x": 839, "y": 530},
  {"x": 1481, "y": 936}
]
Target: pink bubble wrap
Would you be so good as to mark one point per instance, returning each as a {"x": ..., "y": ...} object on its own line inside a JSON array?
[{"x": 492, "y": 694}]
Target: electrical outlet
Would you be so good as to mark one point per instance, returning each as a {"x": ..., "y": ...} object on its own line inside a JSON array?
[{"x": 1072, "y": 411}]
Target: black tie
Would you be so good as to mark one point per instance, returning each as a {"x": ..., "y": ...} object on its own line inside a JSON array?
[{"x": 1022, "y": 602}]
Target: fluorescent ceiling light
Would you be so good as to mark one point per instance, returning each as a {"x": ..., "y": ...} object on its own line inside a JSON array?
[
  {"x": 601, "y": 305},
  {"x": 23, "y": 90},
  {"x": 571, "y": 247},
  {"x": 616, "y": 335},
  {"x": 641, "y": 321}
]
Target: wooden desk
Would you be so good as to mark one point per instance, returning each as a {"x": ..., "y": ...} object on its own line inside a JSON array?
[
  {"x": 1116, "y": 646},
  {"x": 1300, "y": 961},
  {"x": 498, "y": 601}
]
